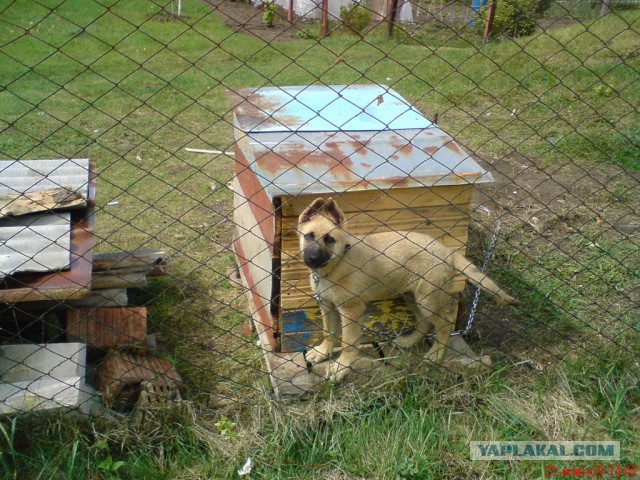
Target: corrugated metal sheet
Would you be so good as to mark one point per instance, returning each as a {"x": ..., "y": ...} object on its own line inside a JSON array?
[
  {"x": 325, "y": 109},
  {"x": 35, "y": 243},
  {"x": 18, "y": 177},
  {"x": 323, "y": 146}
]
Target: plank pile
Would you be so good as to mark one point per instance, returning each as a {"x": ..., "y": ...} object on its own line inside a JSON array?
[{"x": 114, "y": 273}]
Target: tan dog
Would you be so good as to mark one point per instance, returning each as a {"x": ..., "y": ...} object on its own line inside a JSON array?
[{"x": 349, "y": 271}]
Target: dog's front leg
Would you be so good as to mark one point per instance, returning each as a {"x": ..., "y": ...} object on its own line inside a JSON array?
[
  {"x": 330, "y": 324},
  {"x": 351, "y": 315}
]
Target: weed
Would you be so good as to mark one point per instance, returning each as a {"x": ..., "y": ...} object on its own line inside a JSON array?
[
  {"x": 513, "y": 18},
  {"x": 307, "y": 34},
  {"x": 226, "y": 428},
  {"x": 8, "y": 454},
  {"x": 109, "y": 468}
]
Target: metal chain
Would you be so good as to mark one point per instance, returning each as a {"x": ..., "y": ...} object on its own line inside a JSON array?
[{"x": 476, "y": 293}]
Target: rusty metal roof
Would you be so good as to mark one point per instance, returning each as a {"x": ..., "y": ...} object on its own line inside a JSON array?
[{"x": 373, "y": 148}]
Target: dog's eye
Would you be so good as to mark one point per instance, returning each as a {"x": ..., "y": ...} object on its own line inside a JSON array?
[
  {"x": 329, "y": 240},
  {"x": 309, "y": 236}
]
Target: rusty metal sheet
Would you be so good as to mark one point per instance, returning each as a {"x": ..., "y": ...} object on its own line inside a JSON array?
[
  {"x": 27, "y": 176},
  {"x": 68, "y": 284},
  {"x": 64, "y": 285},
  {"x": 324, "y": 109},
  {"x": 318, "y": 162}
]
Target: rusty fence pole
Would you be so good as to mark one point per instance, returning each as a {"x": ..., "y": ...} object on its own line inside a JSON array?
[
  {"x": 489, "y": 26},
  {"x": 290, "y": 12},
  {"x": 325, "y": 18},
  {"x": 391, "y": 16}
]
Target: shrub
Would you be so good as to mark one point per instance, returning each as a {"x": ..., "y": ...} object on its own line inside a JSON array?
[
  {"x": 269, "y": 15},
  {"x": 514, "y": 18},
  {"x": 355, "y": 17}
]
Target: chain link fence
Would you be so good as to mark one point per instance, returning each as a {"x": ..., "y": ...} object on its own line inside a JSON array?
[{"x": 158, "y": 156}]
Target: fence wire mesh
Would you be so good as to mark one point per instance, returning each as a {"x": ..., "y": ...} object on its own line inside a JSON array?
[{"x": 172, "y": 270}]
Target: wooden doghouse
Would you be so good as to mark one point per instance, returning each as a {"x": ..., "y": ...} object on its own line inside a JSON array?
[{"x": 388, "y": 167}]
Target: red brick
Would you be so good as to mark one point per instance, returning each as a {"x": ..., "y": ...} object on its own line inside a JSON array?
[{"x": 107, "y": 327}]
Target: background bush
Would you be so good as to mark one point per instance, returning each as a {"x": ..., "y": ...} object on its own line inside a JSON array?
[
  {"x": 513, "y": 18},
  {"x": 355, "y": 17}
]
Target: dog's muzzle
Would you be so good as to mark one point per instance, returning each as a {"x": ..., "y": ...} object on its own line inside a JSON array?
[{"x": 315, "y": 258}]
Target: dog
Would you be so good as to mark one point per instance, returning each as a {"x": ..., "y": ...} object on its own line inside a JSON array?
[{"x": 349, "y": 271}]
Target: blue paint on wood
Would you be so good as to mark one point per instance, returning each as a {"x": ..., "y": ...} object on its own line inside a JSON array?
[{"x": 351, "y": 108}]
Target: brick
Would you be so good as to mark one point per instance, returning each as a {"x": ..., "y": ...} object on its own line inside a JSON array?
[{"x": 107, "y": 327}]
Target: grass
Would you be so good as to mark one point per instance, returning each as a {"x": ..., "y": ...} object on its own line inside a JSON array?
[{"x": 130, "y": 87}]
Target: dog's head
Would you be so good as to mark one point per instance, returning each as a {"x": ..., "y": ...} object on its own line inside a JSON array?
[{"x": 322, "y": 235}]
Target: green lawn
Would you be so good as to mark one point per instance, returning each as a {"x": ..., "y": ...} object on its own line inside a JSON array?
[{"x": 129, "y": 87}]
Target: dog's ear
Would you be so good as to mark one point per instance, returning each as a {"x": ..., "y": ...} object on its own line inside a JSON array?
[
  {"x": 317, "y": 205},
  {"x": 334, "y": 212}
]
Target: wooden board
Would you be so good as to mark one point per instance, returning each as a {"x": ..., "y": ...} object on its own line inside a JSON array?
[
  {"x": 261, "y": 318},
  {"x": 396, "y": 199},
  {"x": 45, "y": 200},
  {"x": 153, "y": 263},
  {"x": 109, "y": 297},
  {"x": 254, "y": 257}
]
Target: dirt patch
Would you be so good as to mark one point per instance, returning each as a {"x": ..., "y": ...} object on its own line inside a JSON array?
[
  {"x": 561, "y": 211},
  {"x": 561, "y": 200},
  {"x": 245, "y": 18}
]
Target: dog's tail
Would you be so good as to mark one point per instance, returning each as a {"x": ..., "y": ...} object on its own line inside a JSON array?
[{"x": 469, "y": 270}]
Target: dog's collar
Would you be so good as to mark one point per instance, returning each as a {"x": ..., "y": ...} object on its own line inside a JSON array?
[
  {"x": 316, "y": 282},
  {"x": 316, "y": 278}
]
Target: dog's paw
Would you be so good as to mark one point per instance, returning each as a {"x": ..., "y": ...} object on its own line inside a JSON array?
[
  {"x": 409, "y": 340},
  {"x": 336, "y": 372},
  {"x": 435, "y": 355},
  {"x": 318, "y": 354}
]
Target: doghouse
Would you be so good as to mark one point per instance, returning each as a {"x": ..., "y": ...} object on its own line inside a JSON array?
[{"x": 387, "y": 165}]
